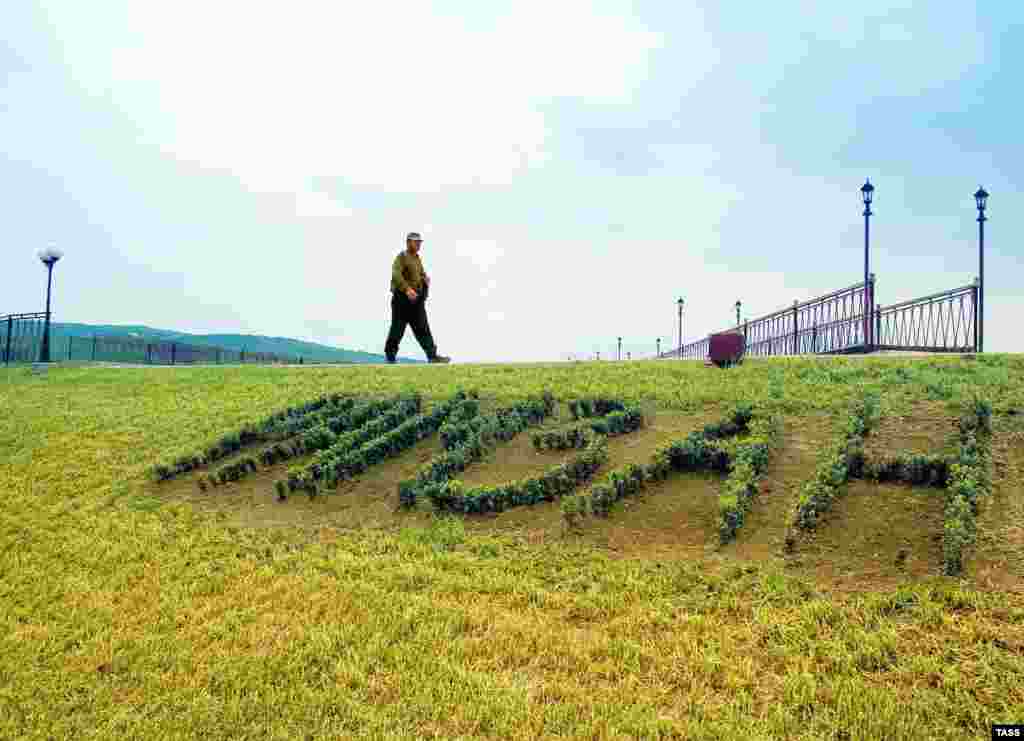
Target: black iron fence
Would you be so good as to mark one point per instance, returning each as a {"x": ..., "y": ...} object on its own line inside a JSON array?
[
  {"x": 833, "y": 323},
  {"x": 945, "y": 321},
  {"x": 848, "y": 321},
  {"x": 21, "y": 338}
]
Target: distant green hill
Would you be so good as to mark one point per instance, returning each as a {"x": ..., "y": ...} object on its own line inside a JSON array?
[{"x": 308, "y": 351}]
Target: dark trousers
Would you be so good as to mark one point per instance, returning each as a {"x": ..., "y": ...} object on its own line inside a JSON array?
[{"x": 412, "y": 313}]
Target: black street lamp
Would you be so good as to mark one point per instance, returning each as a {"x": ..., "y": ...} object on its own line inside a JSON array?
[
  {"x": 737, "y": 313},
  {"x": 980, "y": 197},
  {"x": 680, "y": 303},
  {"x": 619, "y": 355},
  {"x": 659, "y": 347},
  {"x": 867, "y": 192},
  {"x": 49, "y": 257}
]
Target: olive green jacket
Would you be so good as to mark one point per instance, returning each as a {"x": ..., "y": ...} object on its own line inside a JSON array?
[{"x": 407, "y": 272}]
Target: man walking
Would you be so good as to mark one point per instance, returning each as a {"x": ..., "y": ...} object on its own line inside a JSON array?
[{"x": 409, "y": 287}]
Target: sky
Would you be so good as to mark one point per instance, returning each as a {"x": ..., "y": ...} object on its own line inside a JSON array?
[{"x": 574, "y": 167}]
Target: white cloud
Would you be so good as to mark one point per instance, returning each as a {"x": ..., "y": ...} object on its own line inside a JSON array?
[
  {"x": 390, "y": 95},
  {"x": 317, "y": 204},
  {"x": 483, "y": 254}
]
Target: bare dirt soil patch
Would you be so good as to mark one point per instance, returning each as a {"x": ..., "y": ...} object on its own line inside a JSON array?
[
  {"x": 928, "y": 429},
  {"x": 876, "y": 536}
]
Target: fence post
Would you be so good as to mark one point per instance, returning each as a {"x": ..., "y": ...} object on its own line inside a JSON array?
[
  {"x": 243, "y": 356},
  {"x": 10, "y": 325},
  {"x": 174, "y": 351},
  {"x": 94, "y": 347},
  {"x": 878, "y": 326},
  {"x": 796, "y": 337},
  {"x": 873, "y": 340},
  {"x": 814, "y": 338},
  {"x": 974, "y": 302}
]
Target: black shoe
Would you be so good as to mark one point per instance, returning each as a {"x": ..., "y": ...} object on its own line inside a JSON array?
[{"x": 440, "y": 359}]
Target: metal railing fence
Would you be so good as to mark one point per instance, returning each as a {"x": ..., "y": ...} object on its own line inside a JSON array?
[
  {"x": 21, "y": 341},
  {"x": 849, "y": 321}
]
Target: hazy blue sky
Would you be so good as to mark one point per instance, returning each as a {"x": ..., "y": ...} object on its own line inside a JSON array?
[{"x": 574, "y": 166}]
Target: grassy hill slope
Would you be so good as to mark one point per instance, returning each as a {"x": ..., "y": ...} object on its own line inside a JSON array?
[{"x": 126, "y": 613}]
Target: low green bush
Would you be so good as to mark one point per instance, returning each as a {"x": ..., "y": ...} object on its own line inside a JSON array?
[
  {"x": 454, "y": 496},
  {"x": 917, "y": 469},
  {"x": 474, "y": 441},
  {"x": 750, "y": 461},
  {"x": 698, "y": 451},
  {"x": 595, "y": 407},
  {"x": 838, "y": 463},
  {"x": 969, "y": 480},
  {"x": 279, "y": 425},
  {"x": 345, "y": 464}
]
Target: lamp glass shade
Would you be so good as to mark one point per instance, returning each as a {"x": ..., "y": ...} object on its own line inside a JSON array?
[
  {"x": 49, "y": 254},
  {"x": 981, "y": 197},
  {"x": 867, "y": 191}
]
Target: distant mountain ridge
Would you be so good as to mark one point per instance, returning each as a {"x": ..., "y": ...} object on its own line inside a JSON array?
[{"x": 310, "y": 351}]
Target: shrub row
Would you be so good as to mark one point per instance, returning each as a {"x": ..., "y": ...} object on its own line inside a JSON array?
[
  {"x": 968, "y": 481},
  {"x": 328, "y": 447},
  {"x": 577, "y": 435},
  {"x": 619, "y": 422},
  {"x": 230, "y": 472},
  {"x": 385, "y": 446},
  {"x": 481, "y": 434},
  {"x": 503, "y": 424},
  {"x": 291, "y": 425},
  {"x": 558, "y": 481},
  {"x": 574, "y": 436},
  {"x": 748, "y": 466},
  {"x": 324, "y": 434},
  {"x": 273, "y": 427},
  {"x": 595, "y": 407},
  {"x": 929, "y": 470},
  {"x": 696, "y": 451},
  {"x": 332, "y": 421},
  {"x": 839, "y": 462}
]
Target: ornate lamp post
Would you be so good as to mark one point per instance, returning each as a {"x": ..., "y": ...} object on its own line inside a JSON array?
[
  {"x": 659, "y": 346},
  {"x": 680, "y": 304},
  {"x": 619, "y": 354},
  {"x": 737, "y": 313},
  {"x": 867, "y": 192},
  {"x": 980, "y": 197},
  {"x": 49, "y": 258}
]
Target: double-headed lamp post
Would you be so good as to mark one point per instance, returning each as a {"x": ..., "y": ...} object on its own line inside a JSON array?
[
  {"x": 980, "y": 198},
  {"x": 680, "y": 304},
  {"x": 867, "y": 193},
  {"x": 49, "y": 257}
]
